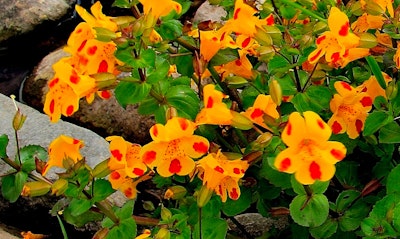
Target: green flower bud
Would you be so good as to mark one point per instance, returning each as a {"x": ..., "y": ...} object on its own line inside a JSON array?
[{"x": 34, "y": 189}]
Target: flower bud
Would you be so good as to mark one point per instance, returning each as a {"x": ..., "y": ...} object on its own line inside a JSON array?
[
  {"x": 37, "y": 188},
  {"x": 104, "y": 34},
  {"x": 392, "y": 90},
  {"x": 148, "y": 205},
  {"x": 104, "y": 80},
  {"x": 170, "y": 113},
  {"x": 240, "y": 121},
  {"x": 367, "y": 40},
  {"x": 175, "y": 192},
  {"x": 101, "y": 170},
  {"x": 275, "y": 91},
  {"x": 18, "y": 120},
  {"x": 101, "y": 234},
  {"x": 165, "y": 214},
  {"x": 59, "y": 187},
  {"x": 154, "y": 37},
  {"x": 236, "y": 81},
  {"x": 264, "y": 139},
  {"x": 204, "y": 195},
  {"x": 262, "y": 37},
  {"x": 163, "y": 233}
]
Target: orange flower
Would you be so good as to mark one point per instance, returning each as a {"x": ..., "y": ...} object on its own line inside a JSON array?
[
  {"x": 63, "y": 148},
  {"x": 214, "y": 111},
  {"x": 212, "y": 41},
  {"x": 221, "y": 174},
  {"x": 366, "y": 22},
  {"x": 120, "y": 180},
  {"x": 159, "y": 10},
  {"x": 372, "y": 87},
  {"x": 310, "y": 156},
  {"x": 339, "y": 44},
  {"x": 350, "y": 109},
  {"x": 173, "y": 148},
  {"x": 263, "y": 105},
  {"x": 97, "y": 18},
  {"x": 145, "y": 234},
  {"x": 396, "y": 57}
]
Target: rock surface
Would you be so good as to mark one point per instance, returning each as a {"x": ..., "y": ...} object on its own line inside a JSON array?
[
  {"x": 21, "y": 16},
  {"x": 210, "y": 12},
  {"x": 256, "y": 225},
  {"x": 105, "y": 117}
]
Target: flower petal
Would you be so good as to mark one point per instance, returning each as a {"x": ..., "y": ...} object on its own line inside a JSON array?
[
  {"x": 295, "y": 130},
  {"x": 317, "y": 129}
]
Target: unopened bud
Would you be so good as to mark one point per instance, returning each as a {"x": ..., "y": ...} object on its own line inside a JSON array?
[
  {"x": 175, "y": 192},
  {"x": 373, "y": 185},
  {"x": 264, "y": 139},
  {"x": 274, "y": 33},
  {"x": 275, "y": 91},
  {"x": 59, "y": 187},
  {"x": 148, "y": 205},
  {"x": 240, "y": 121},
  {"x": 371, "y": 139},
  {"x": 204, "y": 195},
  {"x": 37, "y": 188},
  {"x": 170, "y": 113},
  {"x": 101, "y": 234},
  {"x": 104, "y": 81},
  {"x": 392, "y": 90},
  {"x": 373, "y": 8},
  {"x": 18, "y": 120},
  {"x": 101, "y": 170},
  {"x": 165, "y": 214},
  {"x": 262, "y": 37},
  {"x": 154, "y": 37},
  {"x": 104, "y": 34},
  {"x": 163, "y": 233},
  {"x": 320, "y": 27},
  {"x": 367, "y": 40},
  {"x": 236, "y": 81}
]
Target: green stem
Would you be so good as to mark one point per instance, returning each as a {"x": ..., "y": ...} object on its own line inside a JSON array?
[
  {"x": 241, "y": 136},
  {"x": 186, "y": 44},
  {"x": 14, "y": 165},
  {"x": 200, "y": 227},
  {"x": 304, "y": 10},
  {"x": 18, "y": 151},
  {"x": 145, "y": 221},
  {"x": 106, "y": 208},
  {"x": 64, "y": 232}
]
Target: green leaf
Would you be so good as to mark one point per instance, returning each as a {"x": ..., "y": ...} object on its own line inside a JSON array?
[
  {"x": 278, "y": 64},
  {"x": 309, "y": 211},
  {"x": 170, "y": 29},
  {"x": 352, "y": 218},
  {"x": 126, "y": 229},
  {"x": 101, "y": 190},
  {"x": 345, "y": 199},
  {"x": 124, "y": 3},
  {"x": 375, "y": 121},
  {"x": 376, "y": 70},
  {"x": 327, "y": 229},
  {"x": 211, "y": 228},
  {"x": 297, "y": 187},
  {"x": 159, "y": 72},
  {"x": 82, "y": 219},
  {"x": 319, "y": 187},
  {"x": 235, "y": 207},
  {"x": 316, "y": 99},
  {"x": 396, "y": 217},
  {"x": 3, "y": 145},
  {"x": 275, "y": 177},
  {"x": 148, "y": 106},
  {"x": 79, "y": 206},
  {"x": 377, "y": 228},
  {"x": 147, "y": 58},
  {"x": 184, "y": 99},
  {"x": 389, "y": 133},
  {"x": 224, "y": 56},
  {"x": 347, "y": 173},
  {"x": 28, "y": 155},
  {"x": 11, "y": 185},
  {"x": 131, "y": 92},
  {"x": 392, "y": 183}
]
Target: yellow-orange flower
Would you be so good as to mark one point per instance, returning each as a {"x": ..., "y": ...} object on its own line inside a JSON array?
[
  {"x": 173, "y": 147},
  {"x": 372, "y": 87},
  {"x": 212, "y": 41},
  {"x": 160, "y": 9},
  {"x": 366, "y": 22},
  {"x": 338, "y": 45},
  {"x": 350, "y": 109},
  {"x": 61, "y": 149},
  {"x": 145, "y": 234},
  {"x": 120, "y": 180},
  {"x": 221, "y": 174},
  {"x": 310, "y": 156},
  {"x": 214, "y": 111},
  {"x": 396, "y": 57},
  {"x": 263, "y": 105},
  {"x": 97, "y": 18}
]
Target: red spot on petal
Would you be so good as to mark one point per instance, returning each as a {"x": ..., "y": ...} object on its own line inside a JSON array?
[
  {"x": 320, "y": 39},
  {"x": 335, "y": 57},
  {"x": 316, "y": 56},
  {"x": 236, "y": 171},
  {"x": 210, "y": 102},
  {"x": 321, "y": 124},
  {"x": 220, "y": 189},
  {"x": 183, "y": 123},
  {"x": 214, "y": 39},
  {"x": 79, "y": 30},
  {"x": 75, "y": 141},
  {"x": 336, "y": 127},
  {"x": 285, "y": 164},
  {"x": 154, "y": 130},
  {"x": 51, "y": 107},
  {"x": 103, "y": 66},
  {"x": 315, "y": 171},
  {"x": 128, "y": 192},
  {"x": 175, "y": 166},
  {"x": 344, "y": 30},
  {"x": 115, "y": 175},
  {"x": 359, "y": 125},
  {"x": 138, "y": 171},
  {"x": 256, "y": 113},
  {"x": 222, "y": 36},
  {"x": 82, "y": 45},
  {"x": 53, "y": 82},
  {"x": 117, "y": 154},
  {"x": 337, "y": 154},
  {"x": 105, "y": 94},
  {"x": 200, "y": 147},
  {"x": 289, "y": 129},
  {"x": 92, "y": 50},
  {"x": 365, "y": 89},
  {"x": 270, "y": 20},
  {"x": 246, "y": 42},
  {"x": 346, "y": 85},
  {"x": 219, "y": 169},
  {"x": 70, "y": 110},
  {"x": 149, "y": 157},
  {"x": 238, "y": 62},
  {"x": 366, "y": 101},
  {"x": 234, "y": 194},
  {"x": 236, "y": 15},
  {"x": 74, "y": 79},
  {"x": 83, "y": 60}
]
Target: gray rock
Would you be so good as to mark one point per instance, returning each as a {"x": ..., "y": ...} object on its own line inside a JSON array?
[
  {"x": 40, "y": 131},
  {"x": 210, "y": 12},
  {"x": 256, "y": 225},
  {"x": 105, "y": 117},
  {"x": 21, "y": 16}
]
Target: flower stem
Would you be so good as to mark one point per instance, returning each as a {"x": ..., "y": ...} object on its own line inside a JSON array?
[
  {"x": 106, "y": 208},
  {"x": 304, "y": 10}
]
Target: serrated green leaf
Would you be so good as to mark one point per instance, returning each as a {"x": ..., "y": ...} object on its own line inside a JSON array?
[
  {"x": 346, "y": 198},
  {"x": 124, "y": 3},
  {"x": 79, "y": 206},
  {"x": 211, "y": 228},
  {"x": 309, "y": 211},
  {"x": 82, "y": 219},
  {"x": 377, "y": 228},
  {"x": 319, "y": 187},
  {"x": 235, "y": 207},
  {"x": 389, "y": 133},
  {"x": 148, "y": 106},
  {"x": 170, "y": 29},
  {"x": 101, "y": 190},
  {"x": 131, "y": 92},
  {"x": 126, "y": 229},
  {"x": 184, "y": 99},
  {"x": 396, "y": 217},
  {"x": 278, "y": 64},
  {"x": 351, "y": 219},
  {"x": 28, "y": 155},
  {"x": 375, "y": 121},
  {"x": 275, "y": 177},
  {"x": 159, "y": 72},
  {"x": 315, "y": 99},
  {"x": 3, "y": 145},
  {"x": 224, "y": 56},
  {"x": 147, "y": 58},
  {"x": 392, "y": 183},
  {"x": 297, "y": 187},
  {"x": 327, "y": 229}
]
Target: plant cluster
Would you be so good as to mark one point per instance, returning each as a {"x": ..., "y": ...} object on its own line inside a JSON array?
[{"x": 286, "y": 108}]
